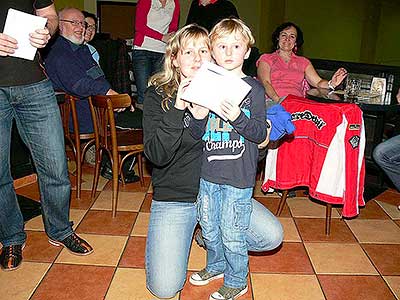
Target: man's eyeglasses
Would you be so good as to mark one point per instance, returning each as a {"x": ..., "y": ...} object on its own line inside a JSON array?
[{"x": 75, "y": 23}]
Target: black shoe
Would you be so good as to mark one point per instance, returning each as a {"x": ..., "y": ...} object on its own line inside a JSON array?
[
  {"x": 11, "y": 257},
  {"x": 74, "y": 244}
]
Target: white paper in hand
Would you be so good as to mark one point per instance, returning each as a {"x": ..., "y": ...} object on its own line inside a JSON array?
[
  {"x": 19, "y": 25},
  {"x": 212, "y": 84}
]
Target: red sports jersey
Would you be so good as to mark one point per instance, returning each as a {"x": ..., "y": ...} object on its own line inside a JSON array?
[{"x": 325, "y": 153}]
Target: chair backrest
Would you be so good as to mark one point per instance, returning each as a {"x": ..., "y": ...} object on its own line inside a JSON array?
[{"x": 103, "y": 120}]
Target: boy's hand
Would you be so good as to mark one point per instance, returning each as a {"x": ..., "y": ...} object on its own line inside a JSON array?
[
  {"x": 230, "y": 111},
  {"x": 266, "y": 141}
]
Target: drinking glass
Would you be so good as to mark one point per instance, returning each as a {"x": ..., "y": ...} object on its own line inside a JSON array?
[{"x": 353, "y": 88}]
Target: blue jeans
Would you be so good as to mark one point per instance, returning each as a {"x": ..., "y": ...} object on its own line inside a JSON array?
[
  {"x": 35, "y": 110},
  {"x": 169, "y": 239},
  {"x": 224, "y": 216},
  {"x": 145, "y": 64},
  {"x": 387, "y": 156}
]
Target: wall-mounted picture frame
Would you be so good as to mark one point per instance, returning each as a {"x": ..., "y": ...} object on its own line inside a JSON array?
[{"x": 378, "y": 87}]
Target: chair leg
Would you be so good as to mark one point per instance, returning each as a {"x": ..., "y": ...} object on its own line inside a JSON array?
[
  {"x": 282, "y": 202},
  {"x": 328, "y": 219},
  {"x": 78, "y": 162},
  {"x": 140, "y": 167},
  {"x": 115, "y": 167},
  {"x": 98, "y": 157}
]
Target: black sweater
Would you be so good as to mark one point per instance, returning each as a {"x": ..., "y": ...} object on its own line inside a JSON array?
[
  {"x": 209, "y": 15},
  {"x": 170, "y": 145}
]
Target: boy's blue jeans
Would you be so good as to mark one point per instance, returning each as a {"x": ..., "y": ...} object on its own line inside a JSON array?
[
  {"x": 35, "y": 110},
  {"x": 224, "y": 216}
]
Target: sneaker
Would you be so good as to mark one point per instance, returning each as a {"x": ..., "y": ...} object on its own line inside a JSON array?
[
  {"x": 11, "y": 257},
  {"x": 203, "y": 277},
  {"x": 227, "y": 293},
  {"x": 74, "y": 244}
]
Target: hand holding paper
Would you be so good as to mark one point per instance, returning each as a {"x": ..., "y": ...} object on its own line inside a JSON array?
[
  {"x": 19, "y": 25},
  {"x": 212, "y": 85},
  {"x": 7, "y": 45}
]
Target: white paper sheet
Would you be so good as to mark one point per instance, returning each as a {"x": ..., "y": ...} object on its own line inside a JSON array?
[
  {"x": 212, "y": 84},
  {"x": 19, "y": 25}
]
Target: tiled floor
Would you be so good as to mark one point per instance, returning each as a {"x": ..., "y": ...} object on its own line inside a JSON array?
[{"x": 359, "y": 260}]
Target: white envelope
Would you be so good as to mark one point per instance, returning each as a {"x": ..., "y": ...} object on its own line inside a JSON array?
[
  {"x": 212, "y": 84},
  {"x": 19, "y": 25}
]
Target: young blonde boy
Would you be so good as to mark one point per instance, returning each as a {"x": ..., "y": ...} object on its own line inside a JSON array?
[{"x": 229, "y": 168}]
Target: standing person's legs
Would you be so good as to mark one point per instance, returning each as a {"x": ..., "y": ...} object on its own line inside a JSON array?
[
  {"x": 39, "y": 124},
  {"x": 168, "y": 244},
  {"x": 210, "y": 199},
  {"x": 157, "y": 60},
  {"x": 11, "y": 220},
  {"x": 236, "y": 207},
  {"x": 387, "y": 156},
  {"x": 142, "y": 69}
]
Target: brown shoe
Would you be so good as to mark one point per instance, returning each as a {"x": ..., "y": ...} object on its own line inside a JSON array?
[
  {"x": 74, "y": 244},
  {"x": 11, "y": 257}
]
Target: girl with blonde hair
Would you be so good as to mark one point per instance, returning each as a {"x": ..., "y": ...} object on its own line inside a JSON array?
[{"x": 173, "y": 147}]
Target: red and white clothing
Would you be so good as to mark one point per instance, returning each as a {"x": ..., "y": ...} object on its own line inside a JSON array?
[
  {"x": 152, "y": 21},
  {"x": 286, "y": 78},
  {"x": 325, "y": 153}
]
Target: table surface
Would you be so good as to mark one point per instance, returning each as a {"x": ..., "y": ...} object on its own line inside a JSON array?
[{"x": 329, "y": 96}]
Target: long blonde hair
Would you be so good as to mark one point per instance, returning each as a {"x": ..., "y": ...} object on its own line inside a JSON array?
[{"x": 167, "y": 80}]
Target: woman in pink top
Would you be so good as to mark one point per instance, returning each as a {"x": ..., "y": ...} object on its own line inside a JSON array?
[
  {"x": 283, "y": 72},
  {"x": 155, "y": 22}
]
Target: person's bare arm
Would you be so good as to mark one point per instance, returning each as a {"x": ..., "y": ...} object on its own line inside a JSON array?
[
  {"x": 264, "y": 75},
  {"x": 50, "y": 13},
  {"x": 316, "y": 81},
  {"x": 40, "y": 37}
]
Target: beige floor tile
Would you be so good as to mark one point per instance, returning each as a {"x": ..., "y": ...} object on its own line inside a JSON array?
[
  {"x": 197, "y": 258},
  {"x": 107, "y": 251},
  {"x": 130, "y": 284},
  {"x": 330, "y": 258},
  {"x": 290, "y": 233},
  {"x": 36, "y": 224},
  {"x": 23, "y": 281},
  {"x": 127, "y": 201},
  {"x": 391, "y": 209},
  {"x": 76, "y": 215},
  {"x": 87, "y": 182},
  {"x": 141, "y": 224},
  {"x": 394, "y": 284},
  {"x": 302, "y": 207},
  {"x": 375, "y": 231},
  {"x": 286, "y": 287}
]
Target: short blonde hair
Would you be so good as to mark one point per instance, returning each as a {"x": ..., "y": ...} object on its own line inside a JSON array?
[
  {"x": 168, "y": 79},
  {"x": 232, "y": 25}
]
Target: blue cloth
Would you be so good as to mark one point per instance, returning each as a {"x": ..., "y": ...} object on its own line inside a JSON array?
[
  {"x": 72, "y": 69},
  {"x": 281, "y": 122}
]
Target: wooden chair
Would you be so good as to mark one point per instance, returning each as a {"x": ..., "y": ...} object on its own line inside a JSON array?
[
  {"x": 119, "y": 145},
  {"x": 80, "y": 143}
]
